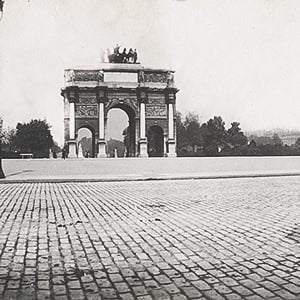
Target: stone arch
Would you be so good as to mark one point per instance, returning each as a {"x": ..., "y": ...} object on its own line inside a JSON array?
[
  {"x": 128, "y": 106},
  {"x": 92, "y": 151},
  {"x": 130, "y": 148},
  {"x": 155, "y": 138}
]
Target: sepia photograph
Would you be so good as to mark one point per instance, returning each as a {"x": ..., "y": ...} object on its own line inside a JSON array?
[{"x": 150, "y": 149}]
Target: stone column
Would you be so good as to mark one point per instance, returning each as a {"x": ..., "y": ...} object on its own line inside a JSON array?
[
  {"x": 171, "y": 121},
  {"x": 171, "y": 136},
  {"x": 142, "y": 95},
  {"x": 165, "y": 145},
  {"x": 142, "y": 121},
  {"x": 72, "y": 141},
  {"x": 101, "y": 141},
  {"x": 143, "y": 140}
]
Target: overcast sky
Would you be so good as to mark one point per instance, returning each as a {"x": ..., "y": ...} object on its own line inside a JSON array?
[{"x": 237, "y": 59}]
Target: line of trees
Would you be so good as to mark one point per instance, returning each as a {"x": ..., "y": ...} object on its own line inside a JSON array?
[
  {"x": 213, "y": 139},
  {"x": 33, "y": 137},
  {"x": 193, "y": 139}
]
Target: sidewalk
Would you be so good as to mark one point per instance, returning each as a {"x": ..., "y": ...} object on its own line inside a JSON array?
[{"x": 138, "y": 169}]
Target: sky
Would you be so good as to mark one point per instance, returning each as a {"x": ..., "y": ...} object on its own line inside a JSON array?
[{"x": 237, "y": 59}]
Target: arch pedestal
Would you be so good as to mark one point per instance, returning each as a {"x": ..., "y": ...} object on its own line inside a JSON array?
[
  {"x": 72, "y": 149},
  {"x": 101, "y": 149},
  {"x": 143, "y": 148}
]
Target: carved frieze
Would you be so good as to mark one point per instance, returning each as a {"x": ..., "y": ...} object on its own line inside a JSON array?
[
  {"x": 86, "y": 110},
  {"x": 159, "y": 111},
  {"x": 87, "y": 100},
  {"x": 156, "y": 77},
  {"x": 156, "y": 100},
  {"x": 166, "y": 77},
  {"x": 88, "y": 75}
]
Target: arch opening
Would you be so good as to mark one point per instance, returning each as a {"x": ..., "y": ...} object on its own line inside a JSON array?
[
  {"x": 155, "y": 137},
  {"x": 120, "y": 132},
  {"x": 85, "y": 143}
]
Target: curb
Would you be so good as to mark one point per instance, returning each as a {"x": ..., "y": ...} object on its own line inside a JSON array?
[{"x": 157, "y": 178}]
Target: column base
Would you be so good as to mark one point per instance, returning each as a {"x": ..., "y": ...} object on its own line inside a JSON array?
[
  {"x": 72, "y": 149},
  {"x": 101, "y": 149},
  {"x": 172, "y": 148},
  {"x": 143, "y": 148}
]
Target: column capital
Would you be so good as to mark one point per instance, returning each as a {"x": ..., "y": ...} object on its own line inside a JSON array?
[
  {"x": 170, "y": 95},
  {"x": 101, "y": 94},
  {"x": 71, "y": 93}
]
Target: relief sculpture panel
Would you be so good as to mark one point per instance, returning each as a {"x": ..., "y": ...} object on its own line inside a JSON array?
[
  {"x": 88, "y": 75},
  {"x": 160, "y": 100},
  {"x": 86, "y": 111},
  {"x": 156, "y": 77},
  {"x": 158, "y": 111},
  {"x": 87, "y": 100}
]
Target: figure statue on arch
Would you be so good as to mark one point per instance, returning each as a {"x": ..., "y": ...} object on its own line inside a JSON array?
[{"x": 170, "y": 79}]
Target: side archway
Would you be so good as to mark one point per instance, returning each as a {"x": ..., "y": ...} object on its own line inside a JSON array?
[
  {"x": 85, "y": 142},
  {"x": 155, "y": 137}
]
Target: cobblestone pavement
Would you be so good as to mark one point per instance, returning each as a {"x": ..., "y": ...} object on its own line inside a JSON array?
[{"x": 203, "y": 239}]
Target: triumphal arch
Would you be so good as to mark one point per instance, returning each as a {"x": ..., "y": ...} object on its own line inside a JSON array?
[{"x": 147, "y": 95}]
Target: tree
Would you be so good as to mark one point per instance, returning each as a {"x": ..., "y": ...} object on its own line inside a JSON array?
[
  {"x": 235, "y": 136},
  {"x": 192, "y": 129},
  {"x": 276, "y": 140},
  {"x": 8, "y": 138},
  {"x": 55, "y": 149},
  {"x": 34, "y": 137},
  {"x": 297, "y": 143},
  {"x": 214, "y": 136},
  {"x": 181, "y": 137},
  {"x": 113, "y": 145}
]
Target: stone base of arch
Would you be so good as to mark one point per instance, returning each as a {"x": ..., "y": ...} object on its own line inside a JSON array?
[
  {"x": 143, "y": 148},
  {"x": 72, "y": 149},
  {"x": 172, "y": 148},
  {"x": 101, "y": 149}
]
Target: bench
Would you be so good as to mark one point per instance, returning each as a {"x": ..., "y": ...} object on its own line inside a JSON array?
[{"x": 26, "y": 155}]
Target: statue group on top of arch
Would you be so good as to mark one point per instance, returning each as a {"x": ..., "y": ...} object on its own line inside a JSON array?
[{"x": 119, "y": 56}]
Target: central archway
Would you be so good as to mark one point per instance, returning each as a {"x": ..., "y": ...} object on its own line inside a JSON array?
[
  {"x": 155, "y": 136},
  {"x": 127, "y": 133}
]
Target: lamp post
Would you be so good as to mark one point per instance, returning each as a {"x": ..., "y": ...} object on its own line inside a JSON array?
[{"x": 1, "y": 170}]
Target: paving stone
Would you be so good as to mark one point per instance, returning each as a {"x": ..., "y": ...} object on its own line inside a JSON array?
[
  {"x": 263, "y": 293},
  {"x": 96, "y": 240},
  {"x": 179, "y": 297},
  {"x": 212, "y": 294},
  {"x": 233, "y": 296},
  {"x": 191, "y": 292},
  {"x": 292, "y": 288}
]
